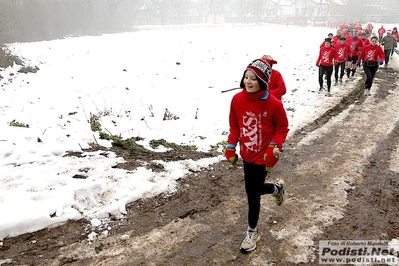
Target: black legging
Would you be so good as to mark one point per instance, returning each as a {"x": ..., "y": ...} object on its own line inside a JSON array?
[
  {"x": 387, "y": 54},
  {"x": 341, "y": 73},
  {"x": 255, "y": 187},
  {"x": 328, "y": 71},
  {"x": 370, "y": 69}
]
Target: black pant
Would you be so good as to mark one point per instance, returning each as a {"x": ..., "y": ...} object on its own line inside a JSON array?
[
  {"x": 370, "y": 69},
  {"x": 328, "y": 70},
  {"x": 342, "y": 72},
  {"x": 387, "y": 54},
  {"x": 255, "y": 187},
  {"x": 394, "y": 46}
]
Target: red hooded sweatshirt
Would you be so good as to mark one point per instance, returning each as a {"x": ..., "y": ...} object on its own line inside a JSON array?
[
  {"x": 372, "y": 54},
  {"x": 256, "y": 120},
  {"x": 276, "y": 84},
  {"x": 366, "y": 41},
  {"x": 342, "y": 52},
  {"x": 381, "y": 31},
  {"x": 326, "y": 56},
  {"x": 356, "y": 45},
  {"x": 395, "y": 34}
]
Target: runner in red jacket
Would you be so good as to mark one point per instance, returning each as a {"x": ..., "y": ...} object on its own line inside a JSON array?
[
  {"x": 370, "y": 27},
  {"x": 276, "y": 83},
  {"x": 342, "y": 49},
  {"x": 356, "y": 45},
  {"x": 259, "y": 123},
  {"x": 365, "y": 40},
  {"x": 336, "y": 38},
  {"x": 372, "y": 55},
  {"x": 381, "y": 32},
  {"x": 327, "y": 58},
  {"x": 330, "y": 35},
  {"x": 396, "y": 35}
]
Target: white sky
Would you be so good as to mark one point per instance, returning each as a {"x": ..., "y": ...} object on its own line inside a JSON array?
[{"x": 83, "y": 76}]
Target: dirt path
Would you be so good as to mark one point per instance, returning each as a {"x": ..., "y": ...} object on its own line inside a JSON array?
[{"x": 341, "y": 185}]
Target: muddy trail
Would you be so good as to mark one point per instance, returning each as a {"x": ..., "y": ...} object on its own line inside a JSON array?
[{"x": 340, "y": 185}]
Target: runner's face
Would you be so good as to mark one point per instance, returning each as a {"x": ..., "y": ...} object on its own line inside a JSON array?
[
  {"x": 327, "y": 44},
  {"x": 251, "y": 83},
  {"x": 373, "y": 42}
]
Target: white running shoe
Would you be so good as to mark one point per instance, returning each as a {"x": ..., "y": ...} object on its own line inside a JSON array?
[
  {"x": 250, "y": 240},
  {"x": 280, "y": 197}
]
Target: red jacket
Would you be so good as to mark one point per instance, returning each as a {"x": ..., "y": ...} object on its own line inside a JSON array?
[
  {"x": 326, "y": 56},
  {"x": 395, "y": 33},
  {"x": 372, "y": 54},
  {"x": 366, "y": 41},
  {"x": 276, "y": 84},
  {"x": 342, "y": 52},
  {"x": 370, "y": 27},
  {"x": 335, "y": 40},
  {"x": 356, "y": 45},
  {"x": 381, "y": 31},
  {"x": 255, "y": 123}
]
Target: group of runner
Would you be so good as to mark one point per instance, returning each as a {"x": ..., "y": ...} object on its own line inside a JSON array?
[{"x": 351, "y": 47}]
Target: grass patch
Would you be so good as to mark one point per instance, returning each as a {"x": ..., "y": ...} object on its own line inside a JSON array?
[
  {"x": 155, "y": 143},
  {"x": 94, "y": 121},
  {"x": 28, "y": 69},
  {"x": 117, "y": 141},
  {"x": 7, "y": 59},
  {"x": 14, "y": 123}
]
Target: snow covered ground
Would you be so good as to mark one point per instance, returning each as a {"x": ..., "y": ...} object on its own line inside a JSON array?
[{"x": 128, "y": 80}]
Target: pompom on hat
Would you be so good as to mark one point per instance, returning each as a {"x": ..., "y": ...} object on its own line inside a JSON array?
[
  {"x": 262, "y": 70},
  {"x": 270, "y": 59}
]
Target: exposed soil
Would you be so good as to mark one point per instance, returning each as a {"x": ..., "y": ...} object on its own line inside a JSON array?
[{"x": 201, "y": 223}]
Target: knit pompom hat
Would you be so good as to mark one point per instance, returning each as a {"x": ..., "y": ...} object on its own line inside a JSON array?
[{"x": 262, "y": 70}]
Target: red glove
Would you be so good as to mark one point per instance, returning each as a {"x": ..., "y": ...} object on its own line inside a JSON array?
[
  {"x": 271, "y": 158},
  {"x": 231, "y": 155}
]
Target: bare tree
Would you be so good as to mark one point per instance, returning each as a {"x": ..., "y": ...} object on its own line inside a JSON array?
[
  {"x": 218, "y": 6},
  {"x": 161, "y": 8},
  {"x": 180, "y": 8},
  {"x": 200, "y": 7},
  {"x": 242, "y": 7},
  {"x": 5, "y": 21},
  {"x": 273, "y": 7}
]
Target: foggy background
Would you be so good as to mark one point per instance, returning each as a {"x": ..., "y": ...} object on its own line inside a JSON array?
[{"x": 34, "y": 20}]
